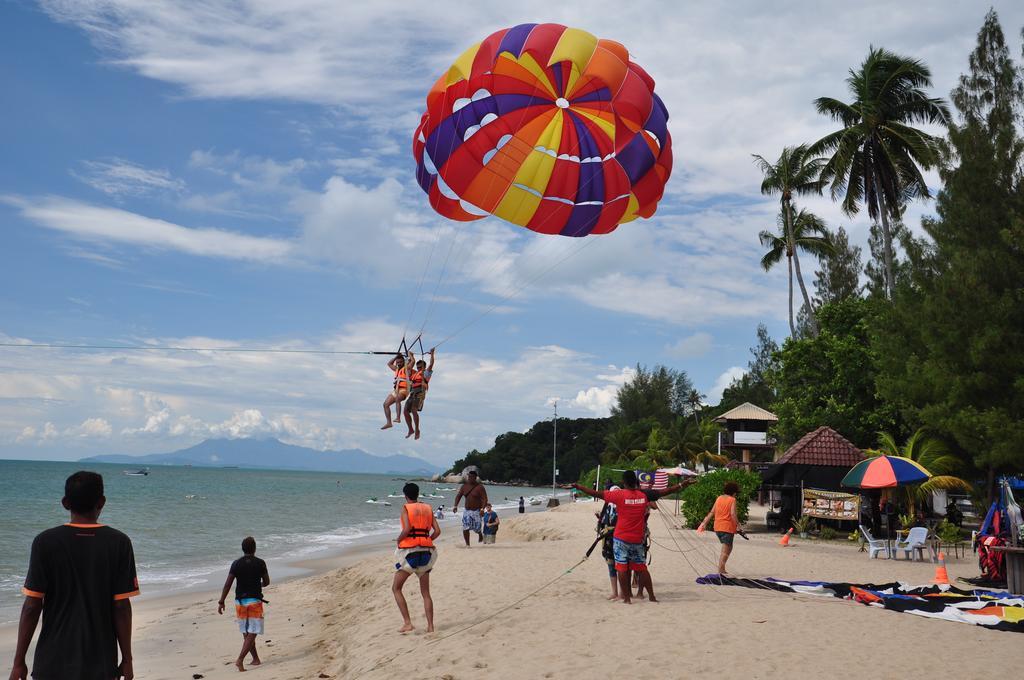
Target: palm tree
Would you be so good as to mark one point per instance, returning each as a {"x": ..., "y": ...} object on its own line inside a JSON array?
[
  {"x": 932, "y": 455},
  {"x": 692, "y": 442},
  {"x": 802, "y": 231},
  {"x": 876, "y": 156},
  {"x": 694, "y": 401},
  {"x": 796, "y": 173},
  {"x": 619, "y": 444}
]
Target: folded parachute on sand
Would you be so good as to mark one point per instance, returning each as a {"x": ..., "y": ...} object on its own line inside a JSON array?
[{"x": 992, "y": 609}]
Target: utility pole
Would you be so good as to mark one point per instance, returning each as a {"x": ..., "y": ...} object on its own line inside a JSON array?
[{"x": 554, "y": 459}]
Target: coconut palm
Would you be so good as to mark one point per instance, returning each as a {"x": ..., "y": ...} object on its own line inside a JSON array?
[
  {"x": 692, "y": 443},
  {"x": 932, "y": 455},
  {"x": 695, "y": 401},
  {"x": 796, "y": 173},
  {"x": 620, "y": 443},
  {"x": 877, "y": 156},
  {"x": 802, "y": 231}
]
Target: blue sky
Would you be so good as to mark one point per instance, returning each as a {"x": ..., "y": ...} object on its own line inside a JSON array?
[{"x": 241, "y": 176}]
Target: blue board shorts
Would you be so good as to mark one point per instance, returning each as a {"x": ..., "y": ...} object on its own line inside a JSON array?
[
  {"x": 629, "y": 556},
  {"x": 249, "y": 612},
  {"x": 725, "y": 537},
  {"x": 471, "y": 520},
  {"x": 416, "y": 561}
]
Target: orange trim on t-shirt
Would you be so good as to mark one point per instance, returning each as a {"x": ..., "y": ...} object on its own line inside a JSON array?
[
  {"x": 32, "y": 593},
  {"x": 125, "y": 596},
  {"x": 84, "y": 526}
]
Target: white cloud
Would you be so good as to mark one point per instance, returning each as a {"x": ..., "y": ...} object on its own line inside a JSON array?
[
  {"x": 599, "y": 400},
  {"x": 119, "y": 178},
  {"x": 723, "y": 381},
  {"x": 692, "y": 346},
  {"x": 111, "y": 225}
]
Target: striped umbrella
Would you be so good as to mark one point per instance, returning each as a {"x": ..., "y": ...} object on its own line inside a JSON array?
[{"x": 883, "y": 472}]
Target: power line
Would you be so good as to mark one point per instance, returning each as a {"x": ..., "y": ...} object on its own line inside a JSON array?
[{"x": 155, "y": 348}]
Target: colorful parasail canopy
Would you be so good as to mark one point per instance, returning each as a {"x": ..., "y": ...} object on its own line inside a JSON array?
[
  {"x": 547, "y": 127},
  {"x": 882, "y": 472}
]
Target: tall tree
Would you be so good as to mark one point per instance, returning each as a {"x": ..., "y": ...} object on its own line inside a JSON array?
[
  {"x": 933, "y": 455},
  {"x": 839, "y": 276},
  {"x": 877, "y": 155},
  {"x": 950, "y": 347},
  {"x": 795, "y": 173},
  {"x": 753, "y": 386},
  {"x": 798, "y": 231},
  {"x": 660, "y": 393}
]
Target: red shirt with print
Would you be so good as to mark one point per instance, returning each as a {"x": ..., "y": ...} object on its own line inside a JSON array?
[{"x": 631, "y": 505}]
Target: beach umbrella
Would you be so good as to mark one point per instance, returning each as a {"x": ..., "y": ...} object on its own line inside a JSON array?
[
  {"x": 678, "y": 471},
  {"x": 885, "y": 472}
]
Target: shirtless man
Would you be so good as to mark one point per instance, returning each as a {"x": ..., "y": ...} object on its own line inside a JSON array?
[{"x": 476, "y": 500}]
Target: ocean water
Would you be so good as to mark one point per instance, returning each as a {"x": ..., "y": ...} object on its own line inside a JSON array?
[{"x": 187, "y": 523}]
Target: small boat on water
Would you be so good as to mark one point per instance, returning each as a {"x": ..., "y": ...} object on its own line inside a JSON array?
[
  {"x": 445, "y": 488},
  {"x": 395, "y": 495},
  {"x": 432, "y": 495},
  {"x": 535, "y": 501},
  {"x": 144, "y": 472},
  {"x": 375, "y": 501}
]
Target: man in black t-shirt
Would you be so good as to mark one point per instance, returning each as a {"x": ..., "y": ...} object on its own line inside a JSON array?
[
  {"x": 80, "y": 578},
  {"x": 251, "y": 575}
]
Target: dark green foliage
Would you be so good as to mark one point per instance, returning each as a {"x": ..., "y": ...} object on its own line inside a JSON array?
[
  {"x": 698, "y": 498},
  {"x": 839, "y": 276},
  {"x": 950, "y": 349},
  {"x": 660, "y": 393},
  {"x": 526, "y": 457},
  {"x": 753, "y": 386},
  {"x": 830, "y": 380}
]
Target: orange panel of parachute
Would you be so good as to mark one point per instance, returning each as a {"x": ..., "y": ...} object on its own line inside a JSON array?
[{"x": 547, "y": 127}]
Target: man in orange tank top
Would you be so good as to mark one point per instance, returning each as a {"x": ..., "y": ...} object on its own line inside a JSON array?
[
  {"x": 416, "y": 554},
  {"x": 727, "y": 522}
]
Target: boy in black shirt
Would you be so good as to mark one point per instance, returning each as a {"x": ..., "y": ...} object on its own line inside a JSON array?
[
  {"x": 80, "y": 576},
  {"x": 252, "y": 576}
]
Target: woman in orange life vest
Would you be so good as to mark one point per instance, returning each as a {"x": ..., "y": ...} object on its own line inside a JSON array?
[
  {"x": 401, "y": 388},
  {"x": 415, "y": 554},
  {"x": 420, "y": 379}
]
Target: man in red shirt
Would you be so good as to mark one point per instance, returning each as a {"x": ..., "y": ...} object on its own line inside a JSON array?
[{"x": 628, "y": 542}]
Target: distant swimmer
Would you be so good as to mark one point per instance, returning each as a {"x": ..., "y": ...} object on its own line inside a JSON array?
[
  {"x": 439, "y": 513},
  {"x": 476, "y": 499},
  {"x": 420, "y": 379},
  {"x": 400, "y": 389},
  {"x": 252, "y": 576},
  {"x": 416, "y": 554},
  {"x": 80, "y": 578},
  {"x": 628, "y": 537}
]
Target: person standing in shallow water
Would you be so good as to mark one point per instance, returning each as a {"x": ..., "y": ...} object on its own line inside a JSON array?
[
  {"x": 476, "y": 500},
  {"x": 251, "y": 573},
  {"x": 80, "y": 578}
]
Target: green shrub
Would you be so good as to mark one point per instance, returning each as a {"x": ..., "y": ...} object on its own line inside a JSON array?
[
  {"x": 827, "y": 533},
  {"x": 947, "y": 533},
  {"x": 698, "y": 498},
  {"x": 803, "y": 524}
]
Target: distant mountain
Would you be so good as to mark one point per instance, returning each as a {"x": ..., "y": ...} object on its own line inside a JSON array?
[{"x": 271, "y": 453}]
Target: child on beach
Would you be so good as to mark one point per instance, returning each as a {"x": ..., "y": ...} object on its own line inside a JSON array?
[
  {"x": 252, "y": 576},
  {"x": 490, "y": 523},
  {"x": 400, "y": 389},
  {"x": 628, "y": 542},
  {"x": 420, "y": 383},
  {"x": 727, "y": 522},
  {"x": 80, "y": 578},
  {"x": 415, "y": 554}
]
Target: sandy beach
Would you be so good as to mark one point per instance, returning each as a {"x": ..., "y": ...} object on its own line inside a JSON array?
[{"x": 342, "y": 623}]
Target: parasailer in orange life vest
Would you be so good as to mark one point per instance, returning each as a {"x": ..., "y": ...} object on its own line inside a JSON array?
[
  {"x": 420, "y": 383},
  {"x": 400, "y": 391},
  {"x": 416, "y": 554}
]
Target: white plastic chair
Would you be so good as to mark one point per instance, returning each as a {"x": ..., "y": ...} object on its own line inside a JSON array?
[
  {"x": 875, "y": 545},
  {"x": 917, "y": 540}
]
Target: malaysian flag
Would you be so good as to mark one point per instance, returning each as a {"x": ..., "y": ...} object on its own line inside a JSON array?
[
  {"x": 660, "y": 481},
  {"x": 646, "y": 479}
]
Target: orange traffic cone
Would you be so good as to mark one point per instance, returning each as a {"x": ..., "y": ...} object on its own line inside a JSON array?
[
  {"x": 784, "y": 541},
  {"x": 941, "y": 575}
]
